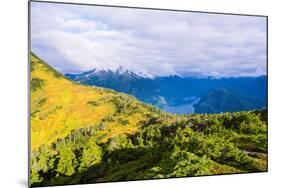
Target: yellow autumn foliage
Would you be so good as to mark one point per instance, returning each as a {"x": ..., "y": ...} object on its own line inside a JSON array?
[{"x": 59, "y": 106}]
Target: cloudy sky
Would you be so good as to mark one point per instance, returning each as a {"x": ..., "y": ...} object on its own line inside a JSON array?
[{"x": 76, "y": 38}]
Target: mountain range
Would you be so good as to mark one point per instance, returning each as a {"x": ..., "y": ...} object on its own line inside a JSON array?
[
  {"x": 88, "y": 134},
  {"x": 180, "y": 94}
]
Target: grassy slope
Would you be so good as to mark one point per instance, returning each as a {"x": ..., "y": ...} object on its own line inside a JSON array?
[
  {"x": 82, "y": 134},
  {"x": 59, "y": 106}
]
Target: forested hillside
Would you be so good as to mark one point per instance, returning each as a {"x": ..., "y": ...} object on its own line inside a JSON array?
[
  {"x": 83, "y": 134},
  {"x": 223, "y": 100}
]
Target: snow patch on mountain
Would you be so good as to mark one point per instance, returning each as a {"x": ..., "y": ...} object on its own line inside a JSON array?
[{"x": 119, "y": 70}]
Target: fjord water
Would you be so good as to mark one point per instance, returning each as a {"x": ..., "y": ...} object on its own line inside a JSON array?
[{"x": 186, "y": 108}]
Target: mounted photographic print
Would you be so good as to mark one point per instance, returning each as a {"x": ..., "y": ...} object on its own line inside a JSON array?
[{"x": 126, "y": 93}]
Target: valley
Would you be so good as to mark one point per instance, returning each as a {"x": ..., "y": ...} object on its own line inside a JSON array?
[{"x": 179, "y": 94}]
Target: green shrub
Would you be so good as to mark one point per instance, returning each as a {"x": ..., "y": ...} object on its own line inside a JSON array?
[{"x": 36, "y": 83}]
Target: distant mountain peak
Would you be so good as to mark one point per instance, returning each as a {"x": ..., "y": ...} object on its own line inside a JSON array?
[{"x": 121, "y": 70}]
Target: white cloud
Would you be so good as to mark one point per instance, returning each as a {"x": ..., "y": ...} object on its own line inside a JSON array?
[{"x": 78, "y": 38}]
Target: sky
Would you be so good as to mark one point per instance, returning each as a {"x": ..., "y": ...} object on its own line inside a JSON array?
[{"x": 77, "y": 38}]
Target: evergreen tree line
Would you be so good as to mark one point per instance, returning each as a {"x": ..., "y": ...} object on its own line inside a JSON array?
[{"x": 192, "y": 145}]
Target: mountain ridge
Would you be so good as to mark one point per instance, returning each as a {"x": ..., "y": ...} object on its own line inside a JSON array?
[
  {"x": 173, "y": 89},
  {"x": 44, "y": 79},
  {"x": 120, "y": 69},
  {"x": 220, "y": 100}
]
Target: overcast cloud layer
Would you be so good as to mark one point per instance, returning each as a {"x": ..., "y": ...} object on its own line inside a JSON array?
[{"x": 75, "y": 38}]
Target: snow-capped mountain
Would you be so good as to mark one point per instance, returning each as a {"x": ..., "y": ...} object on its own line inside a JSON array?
[
  {"x": 171, "y": 90},
  {"x": 120, "y": 71}
]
